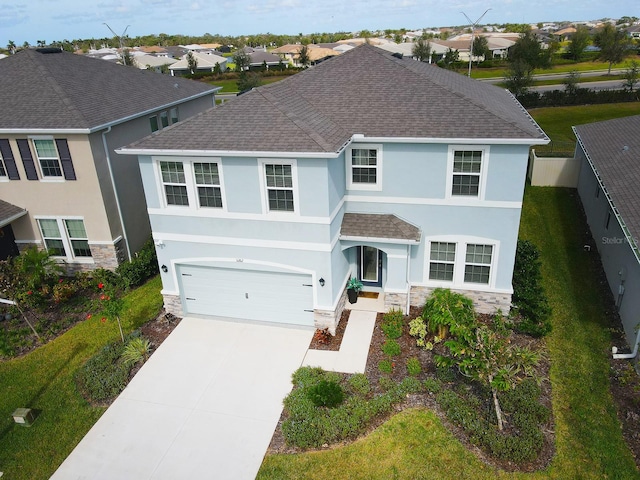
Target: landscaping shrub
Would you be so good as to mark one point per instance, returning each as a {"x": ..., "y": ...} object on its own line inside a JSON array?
[
  {"x": 385, "y": 366},
  {"x": 445, "y": 374},
  {"x": 582, "y": 96},
  {"x": 528, "y": 294},
  {"x": 142, "y": 266},
  {"x": 137, "y": 350},
  {"x": 391, "y": 348},
  {"x": 326, "y": 393},
  {"x": 104, "y": 375},
  {"x": 359, "y": 384},
  {"x": 392, "y": 324},
  {"x": 413, "y": 366},
  {"x": 432, "y": 385}
]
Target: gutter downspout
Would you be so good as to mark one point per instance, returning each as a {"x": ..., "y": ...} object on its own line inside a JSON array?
[
  {"x": 408, "y": 278},
  {"x": 619, "y": 356},
  {"x": 115, "y": 191}
]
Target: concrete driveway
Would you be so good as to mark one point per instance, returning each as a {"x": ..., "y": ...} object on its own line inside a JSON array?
[{"x": 205, "y": 406}]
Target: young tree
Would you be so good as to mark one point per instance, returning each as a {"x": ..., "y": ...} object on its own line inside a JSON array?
[
  {"x": 192, "y": 63},
  {"x": 450, "y": 57},
  {"x": 421, "y": 49},
  {"x": 127, "y": 58},
  {"x": 242, "y": 60},
  {"x": 529, "y": 53},
  {"x": 631, "y": 77},
  {"x": 487, "y": 355},
  {"x": 11, "y": 47},
  {"x": 614, "y": 44},
  {"x": 480, "y": 48},
  {"x": 579, "y": 41},
  {"x": 570, "y": 82},
  {"x": 248, "y": 80},
  {"x": 303, "y": 56},
  {"x": 518, "y": 77}
]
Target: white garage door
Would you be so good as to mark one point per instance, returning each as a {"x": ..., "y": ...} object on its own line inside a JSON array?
[{"x": 248, "y": 294}]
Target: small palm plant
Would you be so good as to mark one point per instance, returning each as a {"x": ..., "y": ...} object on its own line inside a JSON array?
[{"x": 138, "y": 349}]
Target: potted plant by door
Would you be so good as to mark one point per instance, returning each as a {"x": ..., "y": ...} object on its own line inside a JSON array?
[{"x": 353, "y": 288}]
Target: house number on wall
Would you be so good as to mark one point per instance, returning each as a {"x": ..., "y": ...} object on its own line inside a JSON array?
[{"x": 239, "y": 260}]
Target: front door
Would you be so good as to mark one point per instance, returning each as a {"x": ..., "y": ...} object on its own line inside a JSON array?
[
  {"x": 8, "y": 246},
  {"x": 370, "y": 266}
]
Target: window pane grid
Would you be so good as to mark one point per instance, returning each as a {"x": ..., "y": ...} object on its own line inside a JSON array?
[
  {"x": 279, "y": 176},
  {"x": 281, "y": 200},
  {"x": 172, "y": 172},
  {"x": 176, "y": 195},
  {"x": 442, "y": 255},
  {"x": 54, "y": 247},
  {"x": 75, "y": 228},
  {"x": 210, "y": 197},
  {"x": 466, "y": 185},
  {"x": 45, "y": 149},
  {"x": 479, "y": 254},
  {"x": 48, "y": 158},
  {"x": 164, "y": 119},
  {"x": 364, "y": 175},
  {"x": 363, "y": 156},
  {"x": 477, "y": 267},
  {"x": 206, "y": 173},
  {"x": 3, "y": 172},
  {"x": 50, "y": 228},
  {"x": 476, "y": 274},
  {"x": 467, "y": 162}
]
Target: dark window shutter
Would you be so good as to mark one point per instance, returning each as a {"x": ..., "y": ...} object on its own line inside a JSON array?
[
  {"x": 9, "y": 161},
  {"x": 65, "y": 159},
  {"x": 27, "y": 159}
]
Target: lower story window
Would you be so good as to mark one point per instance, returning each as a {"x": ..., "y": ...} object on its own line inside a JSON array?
[
  {"x": 442, "y": 261},
  {"x": 477, "y": 267},
  {"x": 65, "y": 237}
]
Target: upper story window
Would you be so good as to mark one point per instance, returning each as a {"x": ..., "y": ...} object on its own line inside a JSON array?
[
  {"x": 164, "y": 119},
  {"x": 197, "y": 184},
  {"x": 174, "y": 183},
  {"x": 466, "y": 172},
  {"x": 207, "y": 181},
  {"x": 153, "y": 122},
  {"x": 364, "y": 167},
  {"x": 3, "y": 170},
  {"x": 173, "y": 113},
  {"x": 279, "y": 183},
  {"x": 48, "y": 158},
  {"x": 65, "y": 237}
]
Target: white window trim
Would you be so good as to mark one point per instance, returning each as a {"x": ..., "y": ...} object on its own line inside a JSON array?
[
  {"x": 364, "y": 186},
  {"x": 64, "y": 237},
  {"x": 190, "y": 182},
  {"x": 36, "y": 159},
  {"x": 3, "y": 164},
  {"x": 461, "y": 242},
  {"x": 484, "y": 168},
  {"x": 264, "y": 190}
]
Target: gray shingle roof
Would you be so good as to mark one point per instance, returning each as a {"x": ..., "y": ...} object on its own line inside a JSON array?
[
  {"x": 365, "y": 91},
  {"x": 372, "y": 225},
  {"x": 614, "y": 149},
  {"x": 64, "y": 90},
  {"x": 9, "y": 212}
]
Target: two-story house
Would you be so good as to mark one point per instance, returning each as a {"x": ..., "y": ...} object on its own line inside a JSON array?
[
  {"x": 404, "y": 175},
  {"x": 63, "y": 187}
]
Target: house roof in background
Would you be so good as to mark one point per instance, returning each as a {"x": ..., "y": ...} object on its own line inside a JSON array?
[
  {"x": 66, "y": 91},
  {"x": 371, "y": 225},
  {"x": 205, "y": 60},
  {"x": 363, "y": 91},
  {"x": 613, "y": 146}
]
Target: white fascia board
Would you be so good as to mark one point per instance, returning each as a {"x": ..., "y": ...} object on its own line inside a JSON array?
[
  {"x": 213, "y": 91},
  {"x": 465, "y": 141},
  {"x": 224, "y": 153},
  {"x": 379, "y": 240},
  {"x": 7, "y": 221},
  {"x": 45, "y": 131}
]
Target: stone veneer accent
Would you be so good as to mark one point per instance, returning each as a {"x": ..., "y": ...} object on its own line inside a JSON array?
[
  {"x": 104, "y": 256},
  {"x": 172, "y": 304},
  {"x": 395, "y": 301},
  {"x": 330, "y": 318},
  {"x": 484, "y": 302}
]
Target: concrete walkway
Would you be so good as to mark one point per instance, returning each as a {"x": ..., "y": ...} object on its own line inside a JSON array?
[
  {"x": 354, "y": 350},
  {"x": 204, "y": 406}
]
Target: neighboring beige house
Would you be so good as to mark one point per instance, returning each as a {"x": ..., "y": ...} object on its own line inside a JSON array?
[
  {"x": 61, "y": 185},
  {"x": 290, "y": 53}
]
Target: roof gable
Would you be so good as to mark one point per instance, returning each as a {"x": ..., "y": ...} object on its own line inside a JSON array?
[
  {"x": 67, "y": 91},
  {"x": 364, "y": 91}
]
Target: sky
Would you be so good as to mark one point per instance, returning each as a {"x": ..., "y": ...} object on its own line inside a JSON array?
[{"x": 33, "y": 20}]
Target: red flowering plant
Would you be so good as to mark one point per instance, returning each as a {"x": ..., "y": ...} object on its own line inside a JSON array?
[{"x": 112, "y": 305}]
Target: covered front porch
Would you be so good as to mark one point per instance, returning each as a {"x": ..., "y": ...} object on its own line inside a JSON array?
[{"x": 378, "y": 249}]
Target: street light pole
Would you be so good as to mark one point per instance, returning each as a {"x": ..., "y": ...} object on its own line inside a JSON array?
[
  {"x": 119, "y": 37},
  {"x": 473, "y": 28}
]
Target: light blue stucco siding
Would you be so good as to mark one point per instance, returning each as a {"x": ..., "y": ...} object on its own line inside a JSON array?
[
  {"x": 506, "y": 173},
  {"x": 620, "y": 265}
]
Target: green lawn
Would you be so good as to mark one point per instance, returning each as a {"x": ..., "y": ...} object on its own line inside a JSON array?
[
  {"x": 589, "y": 443},
  {"x": 557, "y": 121},
  {"x": 565, "y": 68},
  {"x": 43, "y": 380},
  {"x": 231, "y": 86}
]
